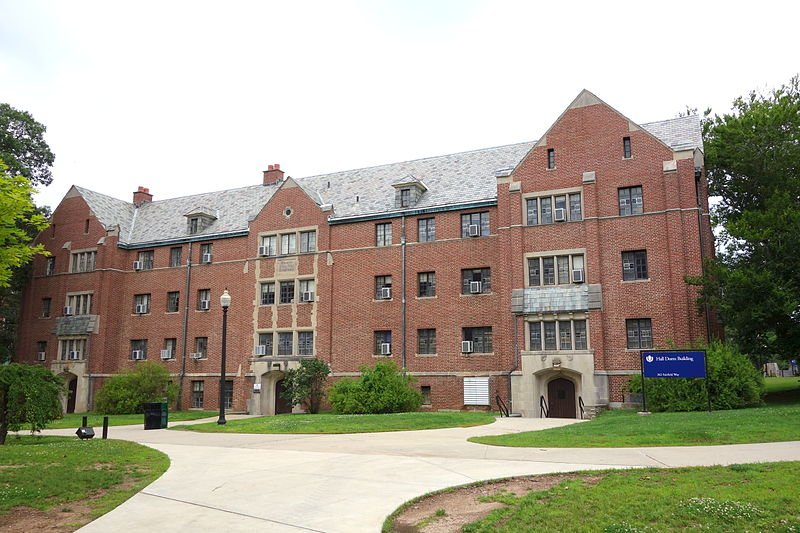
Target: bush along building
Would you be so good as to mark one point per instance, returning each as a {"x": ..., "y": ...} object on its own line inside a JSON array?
[{"x": 533, "y": 273}]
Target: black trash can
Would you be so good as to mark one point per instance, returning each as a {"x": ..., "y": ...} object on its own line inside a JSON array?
[{"x": 155, "y": 415}]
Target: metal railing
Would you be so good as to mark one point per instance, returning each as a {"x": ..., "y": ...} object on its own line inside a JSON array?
[
  {"x": 582, "y": 407},
  {"x": 502, "y": 407},
  {"x": 544, "y": 412}
]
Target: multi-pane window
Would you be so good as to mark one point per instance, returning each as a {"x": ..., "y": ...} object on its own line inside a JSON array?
[
  {"x": 306, "y": 290},
  {"x": 427, "y": 284},
  {"x": 145, "y": 259},
  {"x": 175, "y": 256},
  {"x": 286, "y": 292},
  {"x": 197, "y": 394},
  {"x": 555, "y": 208},
  {"x": 476, "y": 281},
  {"x": 564, "y": 335},
  {"x": 555, "y": 270},
  {"x": 630, "y": 201},
  {"x": 626, "y": 147},
  {"x": 481, "y": 338},
  {"x": 551, "y": 158},
  {"x": 405, "y": 197},
  {"x": 285, "y": 342},
  {"x": 425, "y": 390},
  {"x": 50, "y": 269},
  {"x": 305, "y": 343},
  {"x": 204, "y": 299},
  {"x": 383, "y": 234},
  {"x": 383, "y": 287},
  {"x": 426, "y": 229},
  {"x": 201, "y": 346},
  {"x": 73, "y": 349},
  {"x": 268, "y": 293},
  {"x": 634, "y": 265},
  {"x": 288, "y": 243},
  {"x": 138, "y": 349},
  {"x": 308, "y": 241},
  {"x": 80, "y": 304},
  {"x": 170, "y": 348},
  {"x": 141, "y": 304},
  {"x": 194, "y": 225},
  {"x": 47, "y": 303},
  {"x": 41, "y": 350},
  {"x": 269, "y": 245},
  {"x": 83, "y": 261},
  {"x": 265, "y": 340},
  {"x": 206, "y": 253},
  {"x": 173, "y": 301},
  {"x": 383, "y": 342},
  {"x": 640, "y": 333},
  {"x": 475, "y": 224},
  {"x": 426, "y": 341},
  {"x": 228, "y": 396}
]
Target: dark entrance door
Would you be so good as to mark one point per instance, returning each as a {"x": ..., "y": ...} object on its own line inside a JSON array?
[
  {"x": 281, "y": 405},
  {"x": 561, "y": 397},
  {"x": 72, "y": 390}
]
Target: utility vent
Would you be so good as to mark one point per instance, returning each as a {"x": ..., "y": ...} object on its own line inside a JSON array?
[
  {"x": 386, "y": 293},
  {"x": 466, "y": 347},
  {"x": 166, "y": 354},
  {"x": 307, "y": 296},
  {"x": 261, "y": 349},
  {"x": 474, "y": 230},
  {"x": 559, "y": 214},
  {"x": 475, "y": 287},
  {"x": 386, "y": 348}
]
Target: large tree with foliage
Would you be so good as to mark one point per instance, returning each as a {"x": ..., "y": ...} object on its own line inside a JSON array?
[
  {"x": 29, "y": 396},
  {"x": 22, "y": 146},
  {"x": 753, "y": 165}
]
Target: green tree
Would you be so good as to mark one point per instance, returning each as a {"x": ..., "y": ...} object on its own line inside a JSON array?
[
  {"x": 22, "y": 146},
  {"x": 382, "y": 389},
  {"x": 125, "y": 393},
  {"x": 753, "y": 166},
  {"x": 306, "y": 385},
  {"x": 29, "y": 394}
]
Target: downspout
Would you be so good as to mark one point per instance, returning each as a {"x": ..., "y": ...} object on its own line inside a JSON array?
[
  {"x": 185, "y": 333},
  {"x": 403, "y": 285},
  {"x": 516, "y": 360},
  {"x": 698, "y": 173}
]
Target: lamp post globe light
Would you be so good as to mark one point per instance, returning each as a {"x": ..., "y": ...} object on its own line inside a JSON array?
[{"x": 224, "y": 302}]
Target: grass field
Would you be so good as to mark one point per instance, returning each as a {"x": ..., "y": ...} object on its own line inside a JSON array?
[
  {"x": 330, "y": 423},
  {"x": 54, "y": 473},
  {"x": 73, "y": 420}
]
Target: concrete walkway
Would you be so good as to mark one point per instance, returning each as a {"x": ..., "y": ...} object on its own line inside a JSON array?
[{"x": 350, "y": 483}]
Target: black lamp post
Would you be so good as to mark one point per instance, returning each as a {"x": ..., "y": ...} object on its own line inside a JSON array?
[{"x": 225, "y": 302}]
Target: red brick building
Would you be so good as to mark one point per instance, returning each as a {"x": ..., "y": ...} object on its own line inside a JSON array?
[{"x": 531, "y": 271}]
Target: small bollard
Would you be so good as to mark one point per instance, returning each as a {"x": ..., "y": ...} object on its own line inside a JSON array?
[
  {"x": 84, "y": 424},
  {"x": 105, "y": 427}
]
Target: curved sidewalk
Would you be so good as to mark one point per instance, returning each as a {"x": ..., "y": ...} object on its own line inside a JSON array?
[{"x": 350, "y": 483}]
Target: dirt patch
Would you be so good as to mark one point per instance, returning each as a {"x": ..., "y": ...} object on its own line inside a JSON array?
[
  {"x": 60, "y": 519},
  {"x": 448, "y": 512}
]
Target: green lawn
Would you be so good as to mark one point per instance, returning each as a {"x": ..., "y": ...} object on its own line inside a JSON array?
[
  {"x": 782, "y": 390},
  {"x": 48, "y": 473},
  {"x": 95, "y": 420},
  {"x": 759, "y": 497},
  {"x": 331, "y": 423}
]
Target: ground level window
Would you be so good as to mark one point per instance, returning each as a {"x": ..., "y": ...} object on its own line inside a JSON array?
[
  {"x": 197, "y": 394},
  {"x": 426, "y": 394},
  {"x": 228, "y": 394}
]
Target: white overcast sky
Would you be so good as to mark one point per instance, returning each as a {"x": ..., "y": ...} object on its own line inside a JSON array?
[{"x": 186, "y": 97}]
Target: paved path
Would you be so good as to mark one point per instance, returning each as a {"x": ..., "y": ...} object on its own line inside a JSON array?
[{"x": 350, "y": 483}]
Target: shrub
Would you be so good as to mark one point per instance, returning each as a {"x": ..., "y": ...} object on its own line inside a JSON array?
[
  {"x": 383, "y": 389},
  {"x": 125, "y": 393},
  {"x": 305, "y": 385},
  {"x": 733, "y": 382},
  {"x": 29, "y": 396}
]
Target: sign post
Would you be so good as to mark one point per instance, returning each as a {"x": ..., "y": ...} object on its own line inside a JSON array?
[{"x": 674, "y": 364}]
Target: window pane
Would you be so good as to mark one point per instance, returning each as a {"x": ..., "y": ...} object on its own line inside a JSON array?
[
  {"x": 285, "y": 343},
  {"x": 534, "y": 272},
  {"x": 533, "y": 211},
  {"x": 308, "y": 241},
  {"x": 548, "y": 270},
  {"x": 640, "y": 262},
  {"x": 628, "y": 272},
  {"x": 549, "y": 335},
  {"x": 645, "y": 333},
  {"x": 636, "y": 200},
  {"x": 633, "y": 333},
  {"x": 305, "y": 343},
  {"x": 575, "y": 207},
  {"x": 547, "y": 210},
  {"x": 565, "y": 335},
  {"x": 624, "y": 202},
  {"x": 580, "y": 334},
  {"x": 535, "y": 336},
  {"x": 563, "y": 269},
  {"x": 287, "y": 292}
]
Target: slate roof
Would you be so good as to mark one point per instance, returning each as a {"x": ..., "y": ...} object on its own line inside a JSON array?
[{"x": 455, "y": 179}]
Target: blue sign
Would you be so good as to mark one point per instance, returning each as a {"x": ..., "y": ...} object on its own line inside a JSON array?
[{"x": 673, "y": 364}]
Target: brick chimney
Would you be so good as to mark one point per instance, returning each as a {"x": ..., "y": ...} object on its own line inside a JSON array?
[
  {"x": 142, "y": 196},
  {"x": 273, "y": 174}
]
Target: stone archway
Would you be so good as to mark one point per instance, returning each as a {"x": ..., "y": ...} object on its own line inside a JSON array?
[
  {"x": 68, "y": 399},
  {"x": 269, "y": 390},
  {"x": 282, "y": 406}
]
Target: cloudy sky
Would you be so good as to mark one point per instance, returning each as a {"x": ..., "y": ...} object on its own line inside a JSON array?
[{"x": 192, "y": 96}]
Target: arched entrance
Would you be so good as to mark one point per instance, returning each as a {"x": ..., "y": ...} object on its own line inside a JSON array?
[
  {"x": 71, "y": 381},
  {"x": 561, "y": 398},
  {"x": 281, "y": 405}
]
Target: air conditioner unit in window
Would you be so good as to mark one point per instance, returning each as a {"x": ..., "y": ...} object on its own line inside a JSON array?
[
  {"x": 474, "y": 230},
  {"x": 196, "y": 355},
  {"x": 386, "y": 348},
  {"x": 262, "y": 250},
  {"x": 386, "y": 293},
  {"x": 166, "y": 354},
  {"x": 137, "y": 265},
  {"x": 68, "y": 311},
  {"x": 577, "y": 275},
  {"x": 559, "y": 214},
  {"x": 307, "y": 296},
  {"x": 141, "y": 309},
  {"x": 261, "y": 349},
  {"x": 466, "y": 347},
  {"x": 74, "y": 355},
  {"x": 205, "y": 305},
  {"x": 475, "y": 287},
  {"x": 206, "y": 258},
  {"x": 137, "y": 355},
  {"x": 41, "y": 356}
]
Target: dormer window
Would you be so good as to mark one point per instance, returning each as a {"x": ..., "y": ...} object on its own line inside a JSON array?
[
  {"x": 194, "y": 225},
  {"x": 199, "y": 219},
  {"x": 408, "y": 192},
  {"x": 405, "y": 197}
]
